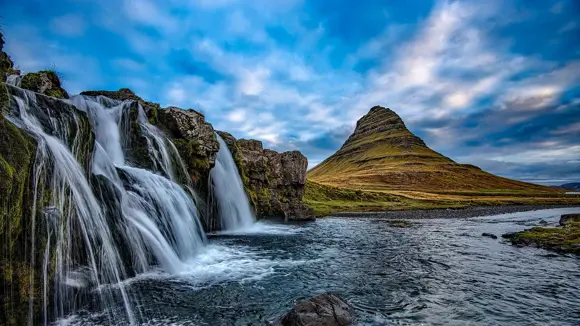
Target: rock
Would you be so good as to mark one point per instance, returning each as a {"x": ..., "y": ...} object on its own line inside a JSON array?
[
  {"x": 568, "y": 218},
  {"x": 561, "y": 239},
  {"x": 125, "y": 94},
  {"x": 273, "y": 181},
  {"x": 542, "y": 222},
  {"x": 489, "y": 235},
  {"x": 322, "y": 310},
  {"x": 193, "y": 137},
  {"x": 44, "y": 82},
  {"x": 6, "y": 64},
  {"x": 400, "y": 224}
]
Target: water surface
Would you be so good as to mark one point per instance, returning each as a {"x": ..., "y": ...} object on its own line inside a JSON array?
[{"x": 440, "y": 272}]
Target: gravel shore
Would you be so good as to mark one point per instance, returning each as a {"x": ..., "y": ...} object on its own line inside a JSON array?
[{"x": 450, "y": 213}]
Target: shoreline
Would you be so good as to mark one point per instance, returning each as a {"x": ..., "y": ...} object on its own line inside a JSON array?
[{"x": 468, "y": 212}]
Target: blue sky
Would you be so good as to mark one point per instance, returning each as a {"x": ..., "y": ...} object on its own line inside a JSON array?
[{"x": 492, "y": 83}]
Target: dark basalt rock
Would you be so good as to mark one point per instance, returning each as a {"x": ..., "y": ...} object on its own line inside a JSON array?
[
  {"x": 322, "y": 310},
  {"x": 568, "y": 218},
  {"x": 489, "y": 235}
]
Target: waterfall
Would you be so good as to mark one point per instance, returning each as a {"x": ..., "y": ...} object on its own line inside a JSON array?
[
  {"x": 14, "y": 80},
  {"x": 114, "y": 220},
  {"x": 233, "y": 206}
]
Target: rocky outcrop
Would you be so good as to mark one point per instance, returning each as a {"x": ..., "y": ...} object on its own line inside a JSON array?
[
  {"x": 565, "y": 239},
  {"x": 273, "y": 181},
  {"x": 193, "y": 137},
  {"x": 569, "y": 218},
  {"x": 322, "y": 310},
  {"x": 125, "y": 94},
  {"x": 44, "y": 82},
  {"x": 6, "y": 64}
]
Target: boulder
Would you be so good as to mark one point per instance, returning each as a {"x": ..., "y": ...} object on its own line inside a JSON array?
[
  {"x": 322, "y": 310},
  {"x": 568, "y": 218}
]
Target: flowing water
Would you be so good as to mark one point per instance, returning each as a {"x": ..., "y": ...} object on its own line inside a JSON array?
[
  {"x": 233, "y": 205},
  {"x": 143, "y": 221},
  {"x": 439, "y": 272}
]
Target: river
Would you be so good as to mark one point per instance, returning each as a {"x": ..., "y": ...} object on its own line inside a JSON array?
[{"x": 438, "y": 272}]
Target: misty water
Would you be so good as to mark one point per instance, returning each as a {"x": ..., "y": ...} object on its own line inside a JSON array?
[{"x": 439, "y": 272}]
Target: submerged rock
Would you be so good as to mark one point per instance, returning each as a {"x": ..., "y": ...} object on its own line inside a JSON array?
[
  {"x": 401, "y": 224},
  {"x": 322, "y": 310},
  {"x": 569, "y": 218},
  {"x": 489, "y": 235}
]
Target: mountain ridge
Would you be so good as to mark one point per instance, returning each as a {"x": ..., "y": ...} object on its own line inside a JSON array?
[{"x": 382, "y": 154}]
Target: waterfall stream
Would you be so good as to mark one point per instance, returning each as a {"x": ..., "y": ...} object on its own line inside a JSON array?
[
  {"x": 234, "y": 209},
  {"x": 116, "y": 220}
]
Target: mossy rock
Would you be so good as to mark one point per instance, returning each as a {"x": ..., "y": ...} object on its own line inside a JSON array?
[
  {"x": 44, "y": 82},
  {"x": 561, "y": 239}
]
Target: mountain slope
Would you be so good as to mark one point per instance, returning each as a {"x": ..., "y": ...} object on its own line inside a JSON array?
[{"x": 382, "y": 154}]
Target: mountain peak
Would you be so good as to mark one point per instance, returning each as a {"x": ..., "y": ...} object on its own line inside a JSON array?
[
  {"x": 381, "y": 125},
  {"x": 382, "y": 153}
]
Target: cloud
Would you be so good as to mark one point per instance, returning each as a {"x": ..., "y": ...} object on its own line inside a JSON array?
[
  {"x": 68, "y": 25},
  {"x": 477, "y": 80}
]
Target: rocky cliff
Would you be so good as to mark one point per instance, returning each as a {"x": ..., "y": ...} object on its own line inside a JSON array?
[{"x": 273, "y": 181}]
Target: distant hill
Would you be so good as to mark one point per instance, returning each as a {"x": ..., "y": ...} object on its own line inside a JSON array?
[
  {"x": 382, "y": 154},
  {"x": 575, "y": 186}
]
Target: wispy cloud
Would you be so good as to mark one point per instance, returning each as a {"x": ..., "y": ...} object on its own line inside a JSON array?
[{"x": 480, "y": 81}]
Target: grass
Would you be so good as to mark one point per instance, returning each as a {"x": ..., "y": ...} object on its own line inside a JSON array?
[
  {"x": 328, "y": 199},
  {"x": 562, "y": 239}
]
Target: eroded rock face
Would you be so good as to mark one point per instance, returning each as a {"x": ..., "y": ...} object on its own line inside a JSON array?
[
  {"x": 273, "y": 181},
  {"x": 322, "y": 310},
  {"x": 193, "y": 137}
]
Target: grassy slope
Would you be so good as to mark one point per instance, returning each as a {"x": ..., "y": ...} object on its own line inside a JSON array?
[{"x": 383, "y": 166}]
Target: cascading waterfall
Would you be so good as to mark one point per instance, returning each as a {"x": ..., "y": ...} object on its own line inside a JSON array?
[
  {"x": 122, "y": 218},
  {"x": 233, "y": 206}
]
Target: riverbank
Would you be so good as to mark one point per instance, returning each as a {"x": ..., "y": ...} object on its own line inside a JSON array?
[{"x": 450, "y": 213}]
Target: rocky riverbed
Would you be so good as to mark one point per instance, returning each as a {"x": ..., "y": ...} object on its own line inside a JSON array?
[{"x": 450, "y": 213}]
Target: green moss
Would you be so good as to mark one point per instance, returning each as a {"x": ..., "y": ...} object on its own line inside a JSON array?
[
  {"x": 563, "y": 239},
  {"x": 58, "y": 93},
  {"x": 153, "y": 113},
  {"x": 189, "y": 150},
  {"x": 31, "y": 81}
]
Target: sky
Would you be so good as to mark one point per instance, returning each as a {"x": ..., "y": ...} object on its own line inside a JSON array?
[{"x": 490, "y": 83}]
